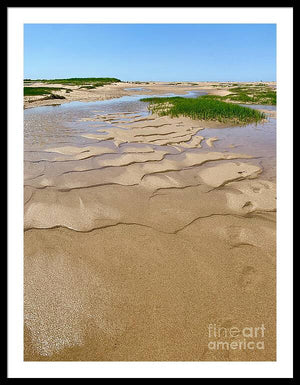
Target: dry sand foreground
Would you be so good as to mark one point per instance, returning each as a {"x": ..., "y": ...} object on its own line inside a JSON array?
[{"x": 132, "y": 252}]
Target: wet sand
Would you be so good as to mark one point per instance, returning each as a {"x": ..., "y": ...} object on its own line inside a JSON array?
[{"x": 141, "y": 231}]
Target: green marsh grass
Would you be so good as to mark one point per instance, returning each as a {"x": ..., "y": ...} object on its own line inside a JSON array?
[{"x": 206, "y": 107}]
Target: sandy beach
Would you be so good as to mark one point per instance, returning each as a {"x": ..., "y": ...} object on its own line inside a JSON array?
[{"x": 142, "y": 230}]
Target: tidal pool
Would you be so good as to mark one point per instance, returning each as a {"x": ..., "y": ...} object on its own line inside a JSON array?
[{"x": 65, "y": 124}]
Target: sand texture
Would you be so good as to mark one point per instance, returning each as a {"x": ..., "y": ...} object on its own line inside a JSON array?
[{"x": 141, "y": 237}]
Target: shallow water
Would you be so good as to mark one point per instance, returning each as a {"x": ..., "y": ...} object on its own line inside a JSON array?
[
  {"x": 258, "y": 140},
  {"x": 62, "y": 124}
]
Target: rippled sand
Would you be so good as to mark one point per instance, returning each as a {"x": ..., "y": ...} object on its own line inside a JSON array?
[{"x": 139, "y": 233}]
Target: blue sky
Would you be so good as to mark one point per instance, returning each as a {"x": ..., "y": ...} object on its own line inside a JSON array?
[{"x": 165, "y": 52}]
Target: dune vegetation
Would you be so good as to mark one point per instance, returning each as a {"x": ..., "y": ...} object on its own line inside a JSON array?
[
  {"x": 258, "y": 94},
  {"x": 46, "y": 92},
  {"x": 250, "y": 94},
  {"x": 96, "y": 82}
]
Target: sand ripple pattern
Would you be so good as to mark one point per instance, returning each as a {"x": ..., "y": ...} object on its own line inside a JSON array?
[
  {"x": 145, "y": 217},
  {"x": 85, "y": 188}
]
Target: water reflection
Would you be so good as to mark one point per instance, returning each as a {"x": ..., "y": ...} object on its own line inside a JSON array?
[
  {"x": 46, "y": 126},
  {"x": 61, "y": 124}
]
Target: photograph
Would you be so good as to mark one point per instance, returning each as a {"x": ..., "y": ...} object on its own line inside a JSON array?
[{"x": 150, "y": 164}]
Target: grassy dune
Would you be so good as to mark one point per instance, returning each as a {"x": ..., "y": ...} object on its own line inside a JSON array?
[
  {"x": 46, "y": 92},
  {"x": 203, "y": 108},
  {"x": 96, "y": 82},
  {"x": 254, "y": 95},
  {"x": 32, "y": 91},
  {"x": 86, "y": 83},
  {"x": 249, "y": 93}
]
